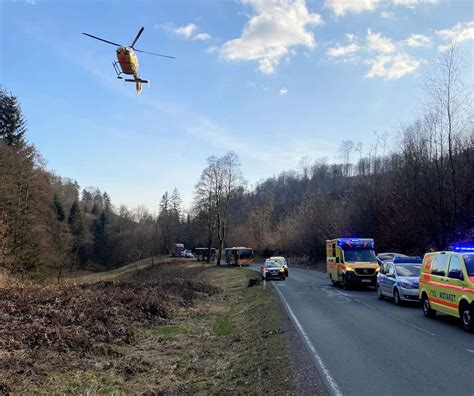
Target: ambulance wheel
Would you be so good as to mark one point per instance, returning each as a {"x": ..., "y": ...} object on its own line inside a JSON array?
[
  {"x": 427, "y": 310},
  {"x": 332, "y": 280},
  {"x": 467, "y": 317},
  {"x": 379, "y": 293},
  {"x": 396, "y": 297},
  {"x": 344, "y": 283}
]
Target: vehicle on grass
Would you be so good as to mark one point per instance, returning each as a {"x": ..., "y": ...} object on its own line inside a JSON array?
[
  {"x": 399, "y": 279},
  {"x": 447, "y": 284},
  {"x": 351, "y": 261},
  {"x": 203, "y": 253},
  {"x": 177, "y": 250},
  {"x": 188, "y": 254},
  {"x": 272, "y": 270},
  {"x": 282, "y": 261},
  {"x": 239, "y": 256},
  {"x": 381, "y": 257}
]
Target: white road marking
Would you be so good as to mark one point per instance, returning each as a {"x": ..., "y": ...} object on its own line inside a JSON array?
[
  {"x": 333, "y": 388},
  {"x": 470, "y": 350}
]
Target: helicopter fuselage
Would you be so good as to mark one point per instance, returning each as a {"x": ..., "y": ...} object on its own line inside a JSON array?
[{"x": 128, "y": 60}]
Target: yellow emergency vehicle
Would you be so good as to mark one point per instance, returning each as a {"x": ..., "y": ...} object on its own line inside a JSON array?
[
  {"x": 351, "y": 261},
  {"x": 447, "y": 284}
]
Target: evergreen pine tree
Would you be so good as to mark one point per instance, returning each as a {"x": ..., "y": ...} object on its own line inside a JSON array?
[
  {"x": 99, "y": 230},
  {"x": 164, "y": 204},
  {"x": 107, "y": 202},
  {"x": 58, "y": 208},
  {"x": 176, "y": 203},
  {"x": 12, "y": 123},
  {"x": 75, "y": 220}
]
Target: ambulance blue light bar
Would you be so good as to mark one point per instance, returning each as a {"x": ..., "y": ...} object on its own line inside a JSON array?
[
  {"x": 407, "y": 260},
  {"x": 356, "y": 243},
  {"x": 462, "y": 248}
]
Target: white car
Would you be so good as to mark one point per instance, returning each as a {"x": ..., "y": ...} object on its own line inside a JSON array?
[{"x": 282, "y": 261}]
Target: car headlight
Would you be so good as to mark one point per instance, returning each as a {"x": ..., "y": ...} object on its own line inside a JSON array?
[
  {"x": 406, "y": 285},
  {"x": 282, "y": 269}
]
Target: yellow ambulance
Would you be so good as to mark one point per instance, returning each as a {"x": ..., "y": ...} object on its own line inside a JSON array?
[
  {"x": 447, "y": 284},
  {"x": 351, "y": 261}
]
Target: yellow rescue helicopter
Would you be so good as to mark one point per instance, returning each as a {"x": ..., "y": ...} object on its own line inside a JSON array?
[{"x": 127, "y": 60}]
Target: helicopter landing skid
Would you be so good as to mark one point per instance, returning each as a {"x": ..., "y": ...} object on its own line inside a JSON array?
[
  {"x": 117, "y": 70},
  {"x": 137, "y": 80}
]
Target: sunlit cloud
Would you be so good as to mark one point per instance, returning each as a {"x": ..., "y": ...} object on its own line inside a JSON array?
[{"x": 271, "y": 32}]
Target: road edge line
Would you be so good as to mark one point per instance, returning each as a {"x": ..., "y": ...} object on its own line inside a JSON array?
[{"x": 324, "y": 373}]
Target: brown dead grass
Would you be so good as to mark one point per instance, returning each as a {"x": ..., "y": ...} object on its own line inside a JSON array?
[{"x": 178, "y": 327}]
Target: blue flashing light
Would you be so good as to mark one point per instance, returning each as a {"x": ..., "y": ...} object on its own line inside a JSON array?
[
  {"x": 462, "y": 248},
  {"x": 355, "y": 243},
  {"x": 407, "y": 260}
]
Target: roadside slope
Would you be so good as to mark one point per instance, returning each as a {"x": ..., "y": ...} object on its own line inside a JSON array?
[{"x": 175, "y": 327}]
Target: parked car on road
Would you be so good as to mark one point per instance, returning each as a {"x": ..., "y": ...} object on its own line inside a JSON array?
[
  {"x": 272, "y": 269},
  {"x": 399, "y": 279},
  {"x": 282, "y": 261},
  {"x": 381, "y": 257},
  {"x": 447, "y": 284}
]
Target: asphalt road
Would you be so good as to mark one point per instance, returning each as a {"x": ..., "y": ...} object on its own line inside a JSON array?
[{"x": 364, "y": 346}]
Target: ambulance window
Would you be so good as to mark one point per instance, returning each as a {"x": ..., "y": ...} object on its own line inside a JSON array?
[
  {"x": 469, "y": 261},
  {"x": 333, "y": 250},
  {"x": 454, "y": 265},
  {"x": 440, "y": 265}
]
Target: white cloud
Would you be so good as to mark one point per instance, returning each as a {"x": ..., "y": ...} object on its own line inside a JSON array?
[
  {"x": 343, "y": 7},
  {"x": 186, "y": 31},
  {"x": 417, "y": 40},
  {"x": 212, "y": 50},
  {"x": 412, "y": 3},
  {"x": 379, "y": 43},
  {"x": 283, "y": 92},
  {"x": 343, "y": 51},
  {"x": 271, "y": 32},
  {"x": 392, "y": 67},
  {"x": 387, "y": 14},
  {"x": 202, "y": 37},
  {"x": 386, "y": 59},
  {"x": 457, "y": 34}
]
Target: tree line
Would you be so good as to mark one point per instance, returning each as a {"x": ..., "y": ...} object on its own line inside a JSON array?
[{"x": 410, "y": 192}]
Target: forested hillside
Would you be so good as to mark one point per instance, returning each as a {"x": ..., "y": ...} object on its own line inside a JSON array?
[{"x": 411, "y": 191}]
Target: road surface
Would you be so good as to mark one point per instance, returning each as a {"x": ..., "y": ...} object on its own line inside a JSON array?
[{"x": 364, "y": 346}]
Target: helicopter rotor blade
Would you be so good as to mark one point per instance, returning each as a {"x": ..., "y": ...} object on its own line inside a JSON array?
[
  {"x": 152, "y": 53},
  {"x": 138, "y": 36},
  {"x": 101, "y": 39}
]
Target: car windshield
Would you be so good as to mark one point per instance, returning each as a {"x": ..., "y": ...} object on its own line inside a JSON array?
[
  {"x": 408, "y": 270},
  {"x": 360, "y": 255},
  {"x": 469, "y": 260},
  {"x": 270, "y": 264}
]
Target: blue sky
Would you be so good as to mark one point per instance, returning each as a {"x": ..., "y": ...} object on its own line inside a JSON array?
[{"x": 273, "y": 81}]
